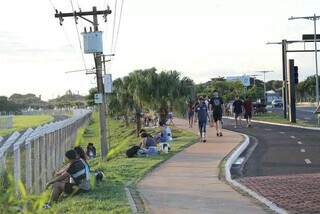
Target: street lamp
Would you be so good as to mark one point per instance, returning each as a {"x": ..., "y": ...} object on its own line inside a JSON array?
[
  {"x": 264, "y": 83},
  {"x": 314, "y": 18}
]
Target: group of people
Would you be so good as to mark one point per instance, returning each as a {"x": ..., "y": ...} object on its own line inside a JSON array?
[
  {"x": 211, "y": 109},
  {"x": 74, "y": 177},
  {"x": 152, "y": 145}
]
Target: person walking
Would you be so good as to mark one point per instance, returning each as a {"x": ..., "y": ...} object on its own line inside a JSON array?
[
  {"x": 237, "y": 110},
  {"x": 170, "y": 117},
  {"x": 216, "y": 106},
  {"x": 248, "y": 107},
  {"x": 190, "y": 114},
  {"x": 202, "y": 112}
]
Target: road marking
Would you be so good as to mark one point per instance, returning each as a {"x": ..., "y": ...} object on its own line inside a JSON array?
[
  {"x": 268, "y": 129},
  {"x": 302, "y": 150},
  {"x": 293, "y": 137},
  {"x": 299, "y": 142},
  {"x": 307, "y": 118},
  {"x": 307, "y": 161},
  {"x": 282, "y": 132}
]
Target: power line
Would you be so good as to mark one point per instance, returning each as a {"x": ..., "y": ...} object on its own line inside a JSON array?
[
  {"x": 54, "y": 8},
  {"x": 78, "y": 35},
  {"x": 114, "y": 24},
  {"x": 119, "y": 24}
]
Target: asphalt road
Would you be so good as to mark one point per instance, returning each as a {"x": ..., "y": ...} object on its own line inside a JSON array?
[
  {"x": 281, "y": 150},
  {"x": 304, "y": 114}
]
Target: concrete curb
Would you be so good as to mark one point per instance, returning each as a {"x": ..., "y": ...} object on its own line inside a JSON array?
[
  {"x": 280, "y": 124},
  {"x": 131, "y": 201},
  {"x": 233, "y": 157}
]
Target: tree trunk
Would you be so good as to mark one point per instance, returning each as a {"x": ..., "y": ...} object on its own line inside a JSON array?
[
  {"x": 138, "y": 121},
  {"x": 126, "y": 120},
  {"x": 163, "y": 113}
]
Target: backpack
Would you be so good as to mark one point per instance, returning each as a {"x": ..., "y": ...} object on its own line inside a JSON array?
[{"x": 131, "y": 152}]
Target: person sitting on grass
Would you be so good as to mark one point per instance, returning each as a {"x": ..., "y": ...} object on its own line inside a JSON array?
[
  {"x": 166, "y": 134},
  {"x": 148, "y": 145},
  {"x": 79, "y": 181},
  {"x": 91, "y": 151}
]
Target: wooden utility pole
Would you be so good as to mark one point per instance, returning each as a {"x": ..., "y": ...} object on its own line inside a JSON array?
[{"x": 98, "y": 65}]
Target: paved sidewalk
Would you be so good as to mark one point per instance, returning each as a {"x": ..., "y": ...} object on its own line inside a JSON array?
[{"x": 189, "y": 183}]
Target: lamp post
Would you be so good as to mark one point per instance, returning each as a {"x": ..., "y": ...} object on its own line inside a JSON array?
[
  {"x": 264, "y": 84},
  {"x": 314, "y": 18}
]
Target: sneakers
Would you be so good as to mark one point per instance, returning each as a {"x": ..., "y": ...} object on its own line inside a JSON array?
[{"x": 46, "y": 206}]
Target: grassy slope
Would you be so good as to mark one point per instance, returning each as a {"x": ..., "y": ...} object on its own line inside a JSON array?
[
  {"x": 21, "y": 122},
  {"x": 109, "y": 196}
]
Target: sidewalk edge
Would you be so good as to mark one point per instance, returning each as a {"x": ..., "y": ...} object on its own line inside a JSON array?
[
  {"x": 280, "y": 124},
  {"x": 253, "y": 194}
]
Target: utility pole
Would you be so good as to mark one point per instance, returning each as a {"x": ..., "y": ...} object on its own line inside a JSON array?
[
  {"x": 98, "y": 64},
  {"x": 314, "y": 18},
  {"x": 284, "y": 77}
]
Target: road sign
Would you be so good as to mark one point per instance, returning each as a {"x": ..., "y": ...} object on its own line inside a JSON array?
[
  {"x": 107, "y": 80},
  {"x": 310, "y": 36},
  {"x": 98, "y": 98},
  {"x": 245, "y": 79}
]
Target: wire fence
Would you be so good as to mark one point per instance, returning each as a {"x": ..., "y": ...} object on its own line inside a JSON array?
[
  {"x": 33, "y": 156},
  {"x": 6, "y": 122}
]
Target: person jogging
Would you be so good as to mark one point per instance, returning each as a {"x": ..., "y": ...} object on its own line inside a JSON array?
[
  {"x": 237, "y": 110},
  {"x": 202, "y": 112},
  {"x": 216, "y": 106},
  {"x": 248, "y": 107}
]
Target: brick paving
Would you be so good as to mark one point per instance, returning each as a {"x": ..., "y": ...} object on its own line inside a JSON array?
[{"x": 295, "y": 193}]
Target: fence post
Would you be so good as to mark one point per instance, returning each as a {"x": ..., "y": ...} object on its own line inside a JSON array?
[
  {"x": 53, "y": 149},
  {"x": 36, "y": 153},
  {"x": 48, "y": 151},
  {"x": 57, "y": 149},
  {"x": 28, "y": 167},
  {"x": 17, "y": 166},
  {"x": 43, "y": 162}
]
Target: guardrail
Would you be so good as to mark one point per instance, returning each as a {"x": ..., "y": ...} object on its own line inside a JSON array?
[
  {"x": 6, "y": 122},
  {"x": 34, "y": 155}
]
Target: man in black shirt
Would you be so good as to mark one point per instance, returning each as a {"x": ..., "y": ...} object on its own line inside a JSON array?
[
  {"x": 216, "y": 106},
  {"x": 237, "y": 110},
  {"x": 78, "y": 175}
]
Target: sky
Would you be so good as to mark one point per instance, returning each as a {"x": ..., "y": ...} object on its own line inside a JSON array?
[{"x": 201, "y": 39}]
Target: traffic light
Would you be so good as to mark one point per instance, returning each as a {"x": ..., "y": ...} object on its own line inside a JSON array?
[{"x": 296, "y": 75}]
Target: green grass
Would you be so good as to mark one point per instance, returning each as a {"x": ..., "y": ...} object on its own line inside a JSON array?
[
  {"x": 276, "y": 118},
  {"x": 21, "y": 122},
  {"x": 109, "y": 196}
]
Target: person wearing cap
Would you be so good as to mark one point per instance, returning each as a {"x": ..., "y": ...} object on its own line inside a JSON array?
[{"x": 202, "y": 112}]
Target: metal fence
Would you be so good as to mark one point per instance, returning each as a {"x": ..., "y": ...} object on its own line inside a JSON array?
[
  {"x": 49, "y": 112},
  {"x": 34, "y": 155},
  {"x": 6, "y": 122}
]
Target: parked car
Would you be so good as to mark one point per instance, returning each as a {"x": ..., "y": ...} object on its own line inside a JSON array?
[
  {"x": 277, "y": 103},
  {"x": 259, "y": 108}
]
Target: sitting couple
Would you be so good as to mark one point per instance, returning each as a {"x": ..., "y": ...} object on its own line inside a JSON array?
[
  {"x": 72, "y": 179},
  {"x": 149, "y": 144}
]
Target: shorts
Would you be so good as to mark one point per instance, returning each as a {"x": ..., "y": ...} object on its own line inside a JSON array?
[
  {"x": 69, "y": 189},
  {"x": 237, "y": 114},
  {"x": 217, "y": 117},
  {"x": 248, "y": 115},
  {"x": 190, "y": 114}
]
